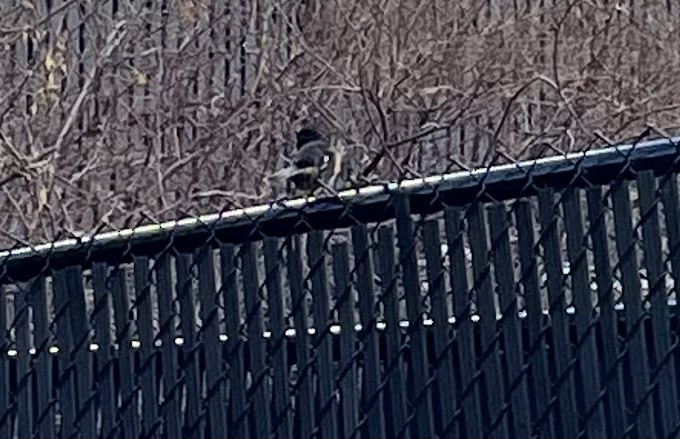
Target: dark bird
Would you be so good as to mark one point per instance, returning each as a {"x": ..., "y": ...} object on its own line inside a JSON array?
[{"x": 309, "y": 159}]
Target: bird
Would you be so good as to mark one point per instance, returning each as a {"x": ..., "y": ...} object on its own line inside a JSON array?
[{"x": 310, "y": 159}]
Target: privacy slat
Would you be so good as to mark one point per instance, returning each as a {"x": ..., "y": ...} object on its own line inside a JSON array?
[
  {"x": 588, "y": 361},
  {"x": 282, "y": 410},
  {"x": 235, "y": 346},
  {"x": 643, "y": 423},
  {"x": 542, "y": 417},
  {"x": 671, "y": 208},
  {"x": 663, "y": 361},
  {"x": 193, "y": 422},
  {"x": 66, "y": 387},
  {"x": 101, "y": 285},
  {"x": 258, "y": 371},
  {"x": 127, "y": 408},
  {"x": 215, "y": 377},
  {"x": 5, "y": 409},
  {"x": 563, "y": 379},
  {"x": 42, "y": 338},
  {"x": 669, "y": 196},
  {"x": 445, "y": 387},
  {"x": 372, "y": 398},
  {"x": 420, "y": 399},
  {"x": 147, "y": 369},
  {"x": 80, "y": 330},
  {"x": 512, "y": 330},
  {"x": 484, "y": 295},
  {"x": 23, "y": 375},
  {"x": 611, "y": 367},
  {"x": 394, "y": 369},
  {"x": 170, "y": 410},
  {"x": 465, "y": 337},
  {"x": 300, "y": 312},
  {"x": 346, "y": 303},
  {"x": 327, "y": 416}
]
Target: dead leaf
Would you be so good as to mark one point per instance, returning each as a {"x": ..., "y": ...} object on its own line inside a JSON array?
[
  {"x": 51, "y": 82},
  {"x": 141, "y": 79},
  {"x": 42, "y": 198},
  {"x": 49, "y": 62}
]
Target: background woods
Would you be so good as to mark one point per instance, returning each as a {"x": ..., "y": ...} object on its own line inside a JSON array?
[{"x": 115, "y": 113}]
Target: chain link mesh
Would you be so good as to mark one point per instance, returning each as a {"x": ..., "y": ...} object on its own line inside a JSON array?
[{"x": 530, "y": 299}]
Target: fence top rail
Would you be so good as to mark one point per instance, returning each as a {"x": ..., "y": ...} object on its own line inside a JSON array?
[{"x": 282, "y": 218}]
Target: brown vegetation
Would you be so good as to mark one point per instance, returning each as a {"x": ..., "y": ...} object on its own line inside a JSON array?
[{"x": 115, "y": 113}]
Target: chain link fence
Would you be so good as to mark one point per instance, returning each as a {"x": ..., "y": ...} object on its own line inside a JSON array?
[{"x": 530, "y": 299}]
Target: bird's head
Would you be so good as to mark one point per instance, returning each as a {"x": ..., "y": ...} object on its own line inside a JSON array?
[{"x": 306, "y": 135}]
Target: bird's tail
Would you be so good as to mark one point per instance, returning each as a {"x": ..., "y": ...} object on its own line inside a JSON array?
[{"x": 291, "y": 171}]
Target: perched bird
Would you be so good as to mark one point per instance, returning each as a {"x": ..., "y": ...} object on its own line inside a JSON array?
[{"x": 310, "y": 159}]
